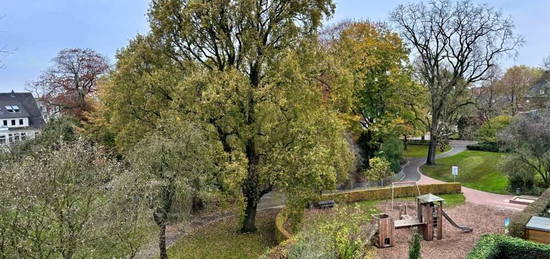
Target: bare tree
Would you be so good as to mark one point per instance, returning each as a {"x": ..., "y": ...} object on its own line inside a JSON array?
[
  {"x": 455, "y": 44},
  {"x": 486, "y": 96},
  {"x": 73, "y": 78}
]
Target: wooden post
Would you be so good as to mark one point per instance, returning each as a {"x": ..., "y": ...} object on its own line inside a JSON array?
[
  {"x": 427, "y": 215},
  {"x": 440, "y": 221}
]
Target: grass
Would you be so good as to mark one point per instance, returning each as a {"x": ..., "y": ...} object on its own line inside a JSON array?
[
  {"x": 222, "y": 240},
  {"x": 453, "y": 200},
  {"x": 420, "y": 150},
  {"x": 477, "y": 170}
]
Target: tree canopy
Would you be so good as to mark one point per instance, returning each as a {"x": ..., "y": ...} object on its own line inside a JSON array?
[
  {"x": 251, "y": 75},
  {"x": 454, "y": 44}
]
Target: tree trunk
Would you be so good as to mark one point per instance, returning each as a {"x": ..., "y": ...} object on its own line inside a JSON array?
[
  {"x": 405, "y": 142},
  {"x": 249, "y": 222},
  {"x": 430, "y": 160},
  {"x": 197, "y": 204},
  {"x": 162, "y": 241}
]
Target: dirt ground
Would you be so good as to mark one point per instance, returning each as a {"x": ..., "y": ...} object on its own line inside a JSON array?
[{"x": 455, "y": 243}]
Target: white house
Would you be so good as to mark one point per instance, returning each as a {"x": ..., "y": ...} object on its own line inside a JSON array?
[{"x": 20, "y": 117}]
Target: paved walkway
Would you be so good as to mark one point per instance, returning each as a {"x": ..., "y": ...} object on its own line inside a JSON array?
[
  {"x": 411, "y": 170},
  {"x": 412, "y": 173}
]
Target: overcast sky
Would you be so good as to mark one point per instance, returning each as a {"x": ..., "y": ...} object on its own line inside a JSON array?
[{"x": 33, "y": 31}]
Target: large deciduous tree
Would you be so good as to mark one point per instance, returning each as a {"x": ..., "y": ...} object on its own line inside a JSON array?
[
  {"x": 72, "y": 79},
  {"x": 376, "y": 60},
  {"x": 252, "y": 75},
  {"x": 455, "y": 44}
]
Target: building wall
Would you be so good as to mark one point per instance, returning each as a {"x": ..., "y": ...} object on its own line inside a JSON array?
[
  {"x": 13, "y": 136},
  {"x": 14, "y": 123}
]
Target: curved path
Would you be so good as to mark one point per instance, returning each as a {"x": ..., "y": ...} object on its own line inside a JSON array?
[{"x": 412, "y": 173}]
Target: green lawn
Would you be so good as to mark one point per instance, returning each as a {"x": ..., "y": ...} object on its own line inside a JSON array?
[
  {"x": 222, "y": 240},
  {"x": 478, "y": 170},
  {"x": 420, "y": 150}
]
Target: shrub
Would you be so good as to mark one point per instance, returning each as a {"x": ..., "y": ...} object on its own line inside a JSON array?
[
  {"x": 500, "y": 246},
  {"x": 385, "y": 192},
  {"x": 517, "y": 225},
  {"x": 392, "y": 150},
  {"x": 485, "y": 146},
  {"x": 338, "y": 235},
  {"x": 379, "y": 169},
  {"x": 489, "y": 130},
  {"x": 520, "y": 176},
  {"x": 414, "y": 246},
  {"x": 73, "y": 202},
  {"x": 528, "y": 139}
]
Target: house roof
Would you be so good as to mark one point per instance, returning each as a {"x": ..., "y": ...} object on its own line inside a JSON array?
[
  {"x": 27, "y": 108},
  {"x": 426, "y": 198},
  {"x": 534, "y": 90}
]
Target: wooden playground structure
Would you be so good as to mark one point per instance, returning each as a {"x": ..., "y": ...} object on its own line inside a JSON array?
[{"x": 429, "y": 221}]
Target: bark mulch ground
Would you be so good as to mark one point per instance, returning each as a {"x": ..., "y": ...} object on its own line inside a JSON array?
[{"x": 455, "y": 243}]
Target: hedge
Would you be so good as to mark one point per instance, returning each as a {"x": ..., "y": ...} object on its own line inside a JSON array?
[
  {"x": 385, "y": 192},
  {"x": 485, "y": 146},
  {"x": 501, "y": 246},
  {"x": 418, "y": 142},
  {"x": 281, "y": 234},
  {"x": 518, "y": 222}
]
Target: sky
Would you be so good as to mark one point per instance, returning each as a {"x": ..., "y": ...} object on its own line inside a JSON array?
[{"x": 34, "y": 31}]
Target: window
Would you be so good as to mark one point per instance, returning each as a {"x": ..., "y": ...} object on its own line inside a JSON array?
[
  {"x": 12, "y": 108},
  {"x": 5, "y": 122},
  {"x": 10, "y": 138},
  {"x": 2, "y": 139},
  {"x": 13, "y": 122},
  {"x": 23, "y": 136},
  {"x": 16, "y": 136},
  {"x": 20, "y": 121},
  {"x": 542, "y": 91}
]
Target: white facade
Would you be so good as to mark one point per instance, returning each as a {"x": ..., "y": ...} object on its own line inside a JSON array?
[
  {"x": 13, "y": 136},
  {"x": 20, "y": 117},
  {"x": 16, "y": 129}
]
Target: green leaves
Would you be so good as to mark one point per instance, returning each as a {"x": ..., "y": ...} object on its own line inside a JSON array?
[{"x": 73, "y": 201}]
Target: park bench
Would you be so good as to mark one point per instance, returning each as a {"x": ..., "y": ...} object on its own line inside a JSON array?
[{"x": 325, "y": 204}]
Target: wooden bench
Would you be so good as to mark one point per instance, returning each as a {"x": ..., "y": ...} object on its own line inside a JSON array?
[{"x": 325, "y": 204}]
